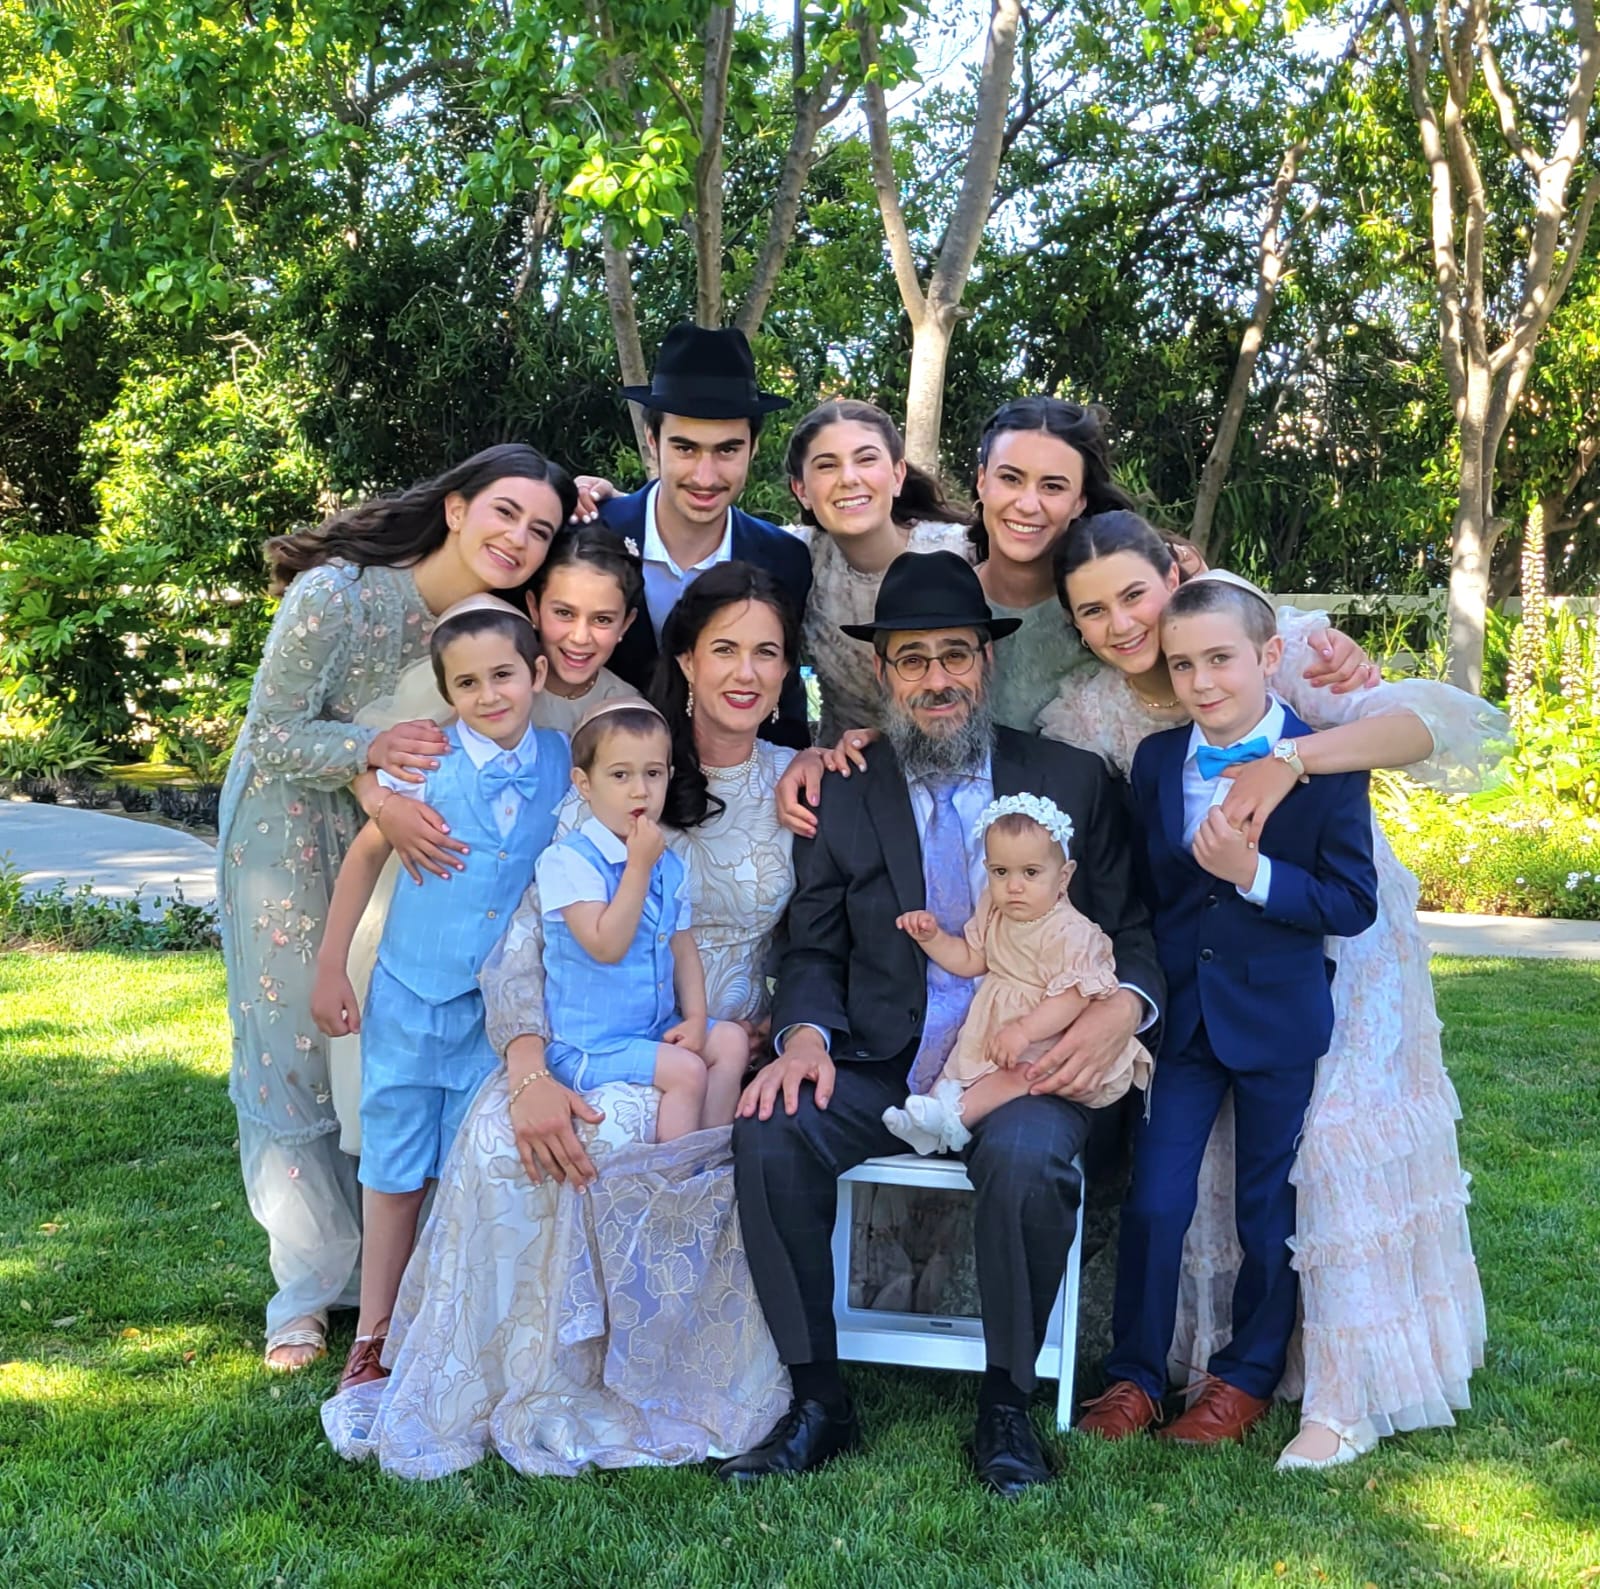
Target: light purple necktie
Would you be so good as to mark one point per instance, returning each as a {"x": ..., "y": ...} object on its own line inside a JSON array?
[{"x": 949, "y": 894}]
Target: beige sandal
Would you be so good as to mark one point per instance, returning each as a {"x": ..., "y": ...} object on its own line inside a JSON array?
[{"x": 316, "y": 1336}]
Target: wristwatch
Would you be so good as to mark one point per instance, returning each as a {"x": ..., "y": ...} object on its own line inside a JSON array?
[{"x": 1287, "y": 751}]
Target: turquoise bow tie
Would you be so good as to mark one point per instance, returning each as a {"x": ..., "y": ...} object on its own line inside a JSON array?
[
  {"x": 1211, "y": 761},
  {"x": 496, "y": 778}
]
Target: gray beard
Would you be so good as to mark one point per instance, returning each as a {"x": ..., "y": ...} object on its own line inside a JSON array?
[{"x": 958, "y": 754}]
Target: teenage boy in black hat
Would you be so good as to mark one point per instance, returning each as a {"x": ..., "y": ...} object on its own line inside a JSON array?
[
  {"x": 703, "y": 416},
  {"x": 860, "y": 1011}
]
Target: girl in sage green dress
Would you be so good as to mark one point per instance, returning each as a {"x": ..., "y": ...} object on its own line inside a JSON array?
[{"x": 361, "y": 594}]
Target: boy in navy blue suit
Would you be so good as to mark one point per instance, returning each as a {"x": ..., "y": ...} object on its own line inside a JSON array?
[{"x": 1240, "y": 937}]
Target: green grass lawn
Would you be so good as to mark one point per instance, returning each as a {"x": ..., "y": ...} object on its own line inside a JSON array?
[{"x": 142, "y": 1444}]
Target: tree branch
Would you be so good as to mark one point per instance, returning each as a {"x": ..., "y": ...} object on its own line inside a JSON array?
[
  {"x": 1506, "y": 106},
  {"x": 884, "y": 182},
  {"x": 708, "y": 167}
]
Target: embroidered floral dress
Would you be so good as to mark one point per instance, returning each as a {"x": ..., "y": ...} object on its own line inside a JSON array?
[
  {"x": 1392, "y": 1308},
  {"x": 618, "y": 1328},
  {"x": 340, "y": 638}
]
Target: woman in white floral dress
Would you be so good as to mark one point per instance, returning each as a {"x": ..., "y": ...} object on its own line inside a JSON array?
[
  {"x": 619, "y": 1327},
  {"x": 1393, "y": 1322},
  {"x": 363, "y": 591}
]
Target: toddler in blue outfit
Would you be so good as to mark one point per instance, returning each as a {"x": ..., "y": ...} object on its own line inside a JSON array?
[
  {"x": 625, "y": 993},
  {"x": 424, "y": 1049}
]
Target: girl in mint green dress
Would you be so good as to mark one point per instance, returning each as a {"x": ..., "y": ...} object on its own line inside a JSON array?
[{"x": 362, "y": 593}]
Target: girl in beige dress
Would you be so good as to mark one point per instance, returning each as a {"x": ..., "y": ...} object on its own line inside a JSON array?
[{"x": 1041, "y": 959}]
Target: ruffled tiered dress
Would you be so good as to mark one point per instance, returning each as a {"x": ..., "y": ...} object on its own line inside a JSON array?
[{"x": 1393, "y": 1322}]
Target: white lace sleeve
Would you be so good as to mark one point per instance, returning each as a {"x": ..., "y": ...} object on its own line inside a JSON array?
[
  {"x": 1469, "y": 735},
  {"x": 512, "y": 978}
]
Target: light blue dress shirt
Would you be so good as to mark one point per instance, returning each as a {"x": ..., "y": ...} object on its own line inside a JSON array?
[{"x": 1200, "y": 794}]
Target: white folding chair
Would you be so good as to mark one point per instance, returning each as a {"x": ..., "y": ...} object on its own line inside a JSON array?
[{"x": 922, "y": 1340}]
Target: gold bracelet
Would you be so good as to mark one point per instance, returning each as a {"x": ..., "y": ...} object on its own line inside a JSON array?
[
  {"x": 533, "y": 1075},
  {"x": 388, "y": 795}
]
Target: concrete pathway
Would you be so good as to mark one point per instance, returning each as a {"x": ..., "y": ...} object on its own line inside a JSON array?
[
  {"x": 119, "y": 855},
  {"x": 1519, "y": 937}
]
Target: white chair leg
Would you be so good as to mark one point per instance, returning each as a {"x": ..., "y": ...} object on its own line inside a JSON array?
[{"x": 1069, "y": 1323}]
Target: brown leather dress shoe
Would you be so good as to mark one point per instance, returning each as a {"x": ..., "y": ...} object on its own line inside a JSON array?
[
  {"x": 365, "y": 1362},
  {"x": 1122, "y": 1411},
  {"x": 1220, "y": 1412}
]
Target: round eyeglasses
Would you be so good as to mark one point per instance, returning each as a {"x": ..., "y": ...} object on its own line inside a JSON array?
[{"x": 914, "y": 665}]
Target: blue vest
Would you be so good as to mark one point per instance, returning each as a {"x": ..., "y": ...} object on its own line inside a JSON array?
[
  {"x": 437, "y": 937},
  {"x": 592, "y": 1005}
]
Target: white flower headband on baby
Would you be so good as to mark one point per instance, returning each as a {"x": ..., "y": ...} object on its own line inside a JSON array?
[{"x": 1045, "y": 812}]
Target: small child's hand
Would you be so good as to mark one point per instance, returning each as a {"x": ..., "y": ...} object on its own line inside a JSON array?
[
  {"x": 1221, "y": 849},
  {"x": 646, "y": 842},
  {"x": 334, "y": 1006},
  {"x": 689, "y": 1033},
  {"x": 920, "y": 924},
  {"x": 1006, "y": 1045}
]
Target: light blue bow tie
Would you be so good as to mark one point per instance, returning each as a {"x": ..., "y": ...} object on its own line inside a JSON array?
[
  {"x": 496, "y": 778},
  {"x": 1211, "y": 760}
]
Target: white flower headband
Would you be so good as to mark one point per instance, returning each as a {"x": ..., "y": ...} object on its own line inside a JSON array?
[{"x": 1045, "y": 812}]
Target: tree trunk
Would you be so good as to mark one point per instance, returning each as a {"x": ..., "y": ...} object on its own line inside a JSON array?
[
  {"x": 930, "y": 349},
  {"x": 933, "y": 313},
  {"x": 708, "y": 168},
  {"x": 625, "y": 329},
  {"x": 1269, "y": 272},
  {"x": 1472, "y": 538}
]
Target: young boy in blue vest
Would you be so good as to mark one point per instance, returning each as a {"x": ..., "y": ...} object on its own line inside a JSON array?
[
  {"x": 1239, "y": 932},
  {"x": 424, "y": 1051}
]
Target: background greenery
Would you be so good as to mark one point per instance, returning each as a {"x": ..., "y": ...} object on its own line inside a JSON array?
[{"x": 142, "y": 1445}]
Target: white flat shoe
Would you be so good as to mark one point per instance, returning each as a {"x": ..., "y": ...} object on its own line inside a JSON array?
[{"x": 1353, "y": 1444}]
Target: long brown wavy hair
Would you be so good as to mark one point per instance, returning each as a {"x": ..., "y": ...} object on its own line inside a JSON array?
[{"x": 399, "y": 530}]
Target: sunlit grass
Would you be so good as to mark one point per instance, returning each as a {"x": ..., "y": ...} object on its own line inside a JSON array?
[{"x": 142, "y": 1445}]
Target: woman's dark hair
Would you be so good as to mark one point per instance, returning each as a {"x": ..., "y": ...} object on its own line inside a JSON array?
[
  {"x": 396, "y": 531},
  {"x": 921, "y": 497},
  {"x": 1098, "y": 535},
  {"x": 597, "y": 547},
  {"x": 512, "y": 625},
  {"x": 689, "y": 798},
  {"x": 1082, "y": 427}
]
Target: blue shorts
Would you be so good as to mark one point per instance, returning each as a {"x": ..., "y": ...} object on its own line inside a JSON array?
[
  {"x": 623, "y": 1059},
  {"x": 421, "y": 1066}
]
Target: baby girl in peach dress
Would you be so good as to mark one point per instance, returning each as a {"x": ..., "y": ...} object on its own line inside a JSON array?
[{"x": 1041, "y": 961}]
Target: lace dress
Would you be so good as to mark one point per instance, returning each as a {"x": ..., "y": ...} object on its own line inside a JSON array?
[
  {"x": 618, "y": 1328},
  {"x": 839, "y": 594},
  {"x": 340, "y": 637},
  {"x": 1392, "y": 1308}
]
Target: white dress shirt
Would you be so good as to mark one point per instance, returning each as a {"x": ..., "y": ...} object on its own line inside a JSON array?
[
  {"x": 1201, "y": 794},
  {"x": 663, "y": 578},
  {"x": 481, "y": 751}
]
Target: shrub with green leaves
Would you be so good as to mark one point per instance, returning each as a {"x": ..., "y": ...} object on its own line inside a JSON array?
[{"x": 77, "y": 918}]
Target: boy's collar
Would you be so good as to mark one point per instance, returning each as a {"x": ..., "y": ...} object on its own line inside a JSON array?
[
  {"x": 482, "y": 750},
  {"x": 1269, "y": 728},
  {"x": 611, "y": 848}
]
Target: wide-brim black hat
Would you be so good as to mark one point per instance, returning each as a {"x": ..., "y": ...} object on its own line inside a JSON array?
[
  {"x": 931, "y": 590},
  {"x": 705, "y": 374}
]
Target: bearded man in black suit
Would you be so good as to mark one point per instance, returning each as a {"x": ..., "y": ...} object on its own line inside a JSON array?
[{"x": 859, "y": 1011}]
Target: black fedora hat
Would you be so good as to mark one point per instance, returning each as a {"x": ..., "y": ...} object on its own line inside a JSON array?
[
  {"x": 705, "y": 374},
  {"x": 931, "y": 590}
]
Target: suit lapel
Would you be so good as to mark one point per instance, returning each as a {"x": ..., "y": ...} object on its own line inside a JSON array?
[
  {"x": 888, "y": 802},
  {"x": 1170, "y": 788}
]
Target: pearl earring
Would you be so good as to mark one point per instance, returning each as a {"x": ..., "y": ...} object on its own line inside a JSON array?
[
  {"x": 774, "y": 717},
  {"x": 688, "y": 710}
]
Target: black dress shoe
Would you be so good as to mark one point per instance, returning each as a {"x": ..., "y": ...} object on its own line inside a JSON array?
[
  {"x": 1006, "y": 1452},
  {"x": 807, "y": 1436}
]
